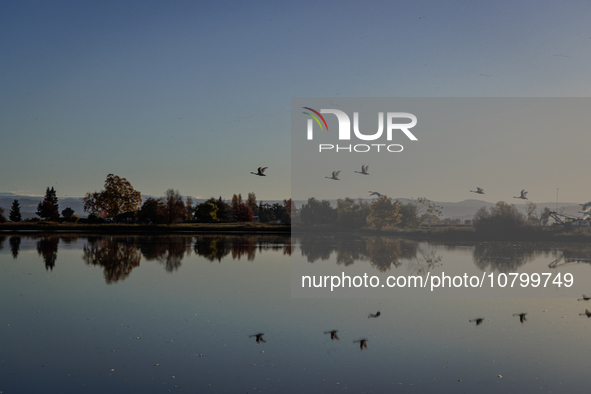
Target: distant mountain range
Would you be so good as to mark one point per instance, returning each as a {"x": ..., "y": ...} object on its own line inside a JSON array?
[{"x": 462, "y": 210}]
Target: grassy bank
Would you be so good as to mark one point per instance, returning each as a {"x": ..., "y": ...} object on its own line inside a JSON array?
[
  {"x": 464, "y": 233},
  {"x": 434, "y": 233},
  {"x": 118, "y": 228}
]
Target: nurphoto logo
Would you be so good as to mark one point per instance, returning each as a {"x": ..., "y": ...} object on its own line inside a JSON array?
[{"x": 345, "y": 130}]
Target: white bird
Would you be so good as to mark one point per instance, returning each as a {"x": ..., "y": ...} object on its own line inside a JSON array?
[
  {"x": 364, "y": 169},
  {"x": 586, "y": 206},
  {"x": 585, "y": 298},
  {"x": 587, "y": 313},
  {"x": 261, "y": 171},
  {"x": 523, "y": 193},
  {"x": 478, "y": 190},
  {"x": 375, "y": 194},
  {"x": 335, "y": 176}
]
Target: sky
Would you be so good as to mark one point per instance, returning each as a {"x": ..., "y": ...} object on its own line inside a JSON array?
[{"x": 194, "y": 95}]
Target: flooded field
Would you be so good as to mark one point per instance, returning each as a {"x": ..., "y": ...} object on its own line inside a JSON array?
[{"x": 83, "y": 314}]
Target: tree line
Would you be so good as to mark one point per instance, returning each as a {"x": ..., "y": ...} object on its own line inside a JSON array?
[
  {"x": 120, "y": 202},
  {"x": 381, "y": 213}
]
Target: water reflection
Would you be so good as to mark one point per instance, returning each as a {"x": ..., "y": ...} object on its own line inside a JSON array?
[
  {"x": 47, "y": 248},
  {"x": 522, "y": 318},
  {"x": 333, "y": 335},
  {"x": 259, "y": 337},
  {"x": 118, "y": 256},
  {"x": 382, "y": 253},
  {"x": 362, "y": 343},
  {"x": 15, "y": 243}
]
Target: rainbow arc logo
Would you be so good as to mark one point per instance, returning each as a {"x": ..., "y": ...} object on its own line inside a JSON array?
[{"x": 315, "y": 118}]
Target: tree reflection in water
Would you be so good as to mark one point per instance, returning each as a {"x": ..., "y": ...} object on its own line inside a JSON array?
[
  {"x": 168, "y": 251},
  {"x": 506, "y": 257},
  {"x": 15, "y": 244},
  {"x": 118, "y": 256},
  {"x": 382, "y": 253},
  {"x": 47, "y": 248}
]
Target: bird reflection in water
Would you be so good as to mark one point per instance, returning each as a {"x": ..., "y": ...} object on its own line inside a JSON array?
[
  {"x": 333, "y": 335},
  {"x": 362, "y": 343},
  {"x": 259, "y": 337},
  {"x": 373, "y": 315},
  {"x": 478, "y": 321},
  {"x": 585, "y": 298},
  {"x": 522, "y": 318}
]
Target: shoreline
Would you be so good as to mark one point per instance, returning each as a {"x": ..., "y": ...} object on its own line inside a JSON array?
[{"x": 446, "y": 233}]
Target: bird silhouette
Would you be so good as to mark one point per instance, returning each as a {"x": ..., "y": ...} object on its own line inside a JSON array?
[
  {"x": 586, "y": 206},
  {"x": 374, "y": 315},
  {"x": 585, "y": 298},
  {"x": 364, "y": 169},
  {"x": 261, "y": 171},
  {"x": 362, "y": 343},
  {"x": 335, "y": 176},
  {"x": 259, "y": 337},
  {"x": 522, "y": 318},
  {"x": 523, "y": 193},
  {"x": 478, "y": 190},
  {"x": 478, "y": 320},
  {"x": 333, "y": 335},
  {"x": 587, "y": 313},
  {"x": 375, "y": 194}
]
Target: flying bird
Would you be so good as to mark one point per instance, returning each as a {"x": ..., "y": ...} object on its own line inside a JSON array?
[
  {"x": 259, "y": 337},
  {"x": 261, "y": 171},
  {"x": 478, "y": 190},
  {"x": 375, "y": 194},
  {"x": 362, "y": 343},
  {"x": 333, "y": 335},
  {"x": 586, "y": 206},
  {"x": 522, "y": 318},
  {"x": 523, "y": 193},
  {"x": 478, "y": 320},
  {"x": 587, "y": 312},
  {"x": 364, "y": 169},
  {"x": 585, "y": 298},
  {"x": 374, "y": 315},
  {"x": 335, "y": 176}
]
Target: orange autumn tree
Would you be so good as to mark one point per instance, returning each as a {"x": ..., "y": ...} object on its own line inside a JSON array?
[
  {"x": 118, "y": 197},
  {"x": 384, "y": 213}
]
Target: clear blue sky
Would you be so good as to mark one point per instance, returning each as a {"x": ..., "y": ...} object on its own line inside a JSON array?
[{"x": 194, "y": 95}]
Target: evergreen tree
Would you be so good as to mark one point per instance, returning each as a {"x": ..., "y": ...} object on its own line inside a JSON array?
[
  {"x": 52, "y": 196},
  {"x": 2, "y": 218},
  {"x": 15, "y": 212},
  {"x": 48, "y": 208}
]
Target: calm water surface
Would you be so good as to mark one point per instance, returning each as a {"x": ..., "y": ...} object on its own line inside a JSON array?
[{"x": 84, "y": 314}]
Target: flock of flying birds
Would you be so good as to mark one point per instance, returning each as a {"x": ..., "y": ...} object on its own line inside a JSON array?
[
  {"x": 364, "y": 171},
  {"x": 363, "y": 342},
  {"x": 333, "y": 334},
  {"x": 586, "y": 207}
]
